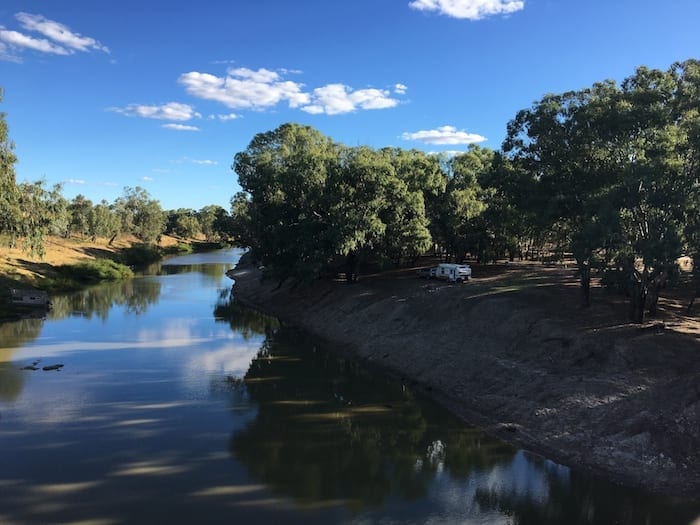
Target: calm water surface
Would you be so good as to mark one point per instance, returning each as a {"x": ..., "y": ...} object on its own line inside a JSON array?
[{"x": 175, "y": 405}]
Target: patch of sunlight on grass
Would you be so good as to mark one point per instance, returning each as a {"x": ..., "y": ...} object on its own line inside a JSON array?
[
  {"x": 227, "y": 490},
  {"x": 149, "y": 468},
  {"x": 372, "y": 409},
  {"x": 65, "y": 488},
  {"x": 263, "y": 379},
  {"x": 325, "y": 416},
  {"x": 133, "y": 422},
  {"x": 300, "y": 402}
]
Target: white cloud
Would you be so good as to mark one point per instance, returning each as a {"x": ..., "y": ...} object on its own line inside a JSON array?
[
  {"x": 334, "y": 99},
  {"x": 58, "y": 33},
  {"x": 400, "y": 89},
  {"x": 443, "y": 135},
  {"x": 60, "y": 39},
  {"x": 180, "y": 127},
  {"x": 169, "y": 111},
  {"x": 201, "y": 162},
  {"x": 224, "y": 118},
  {"x": 147, "y": 179},
  {"x": 469, "y": 9},
  {"x": 244, "y": 88},
  {"x": 75, "y": 181},
  {"x": 15, "y": 39}
]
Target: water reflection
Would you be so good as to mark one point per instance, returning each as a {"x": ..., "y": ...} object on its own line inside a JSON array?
[
  {"x": 136, "y": 296},
  {"x": 330, "y": 431},
  {"x": 178, "y": 405}
]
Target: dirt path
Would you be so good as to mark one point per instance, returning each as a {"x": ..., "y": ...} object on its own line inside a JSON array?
[{"x": 512, "y": 352}]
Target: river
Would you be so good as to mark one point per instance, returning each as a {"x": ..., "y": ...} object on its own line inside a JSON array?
[{"x": 175, "y": 405}]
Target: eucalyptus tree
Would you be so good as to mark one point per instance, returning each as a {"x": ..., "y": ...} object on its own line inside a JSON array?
[
  {"x": 140, "y": 215},
  {"x": 207, "y": 218},
  {"x": 36, "y": 211},
  {"x": 687, "y": 111},
  {"x": 102, "y": 221},
  {"x": 284, "y": 209},
  {"x": 79, "y": 209},
  {"x": 309, "y": 204},
  {"x": 462, "y": 202},
  {"x": 8, "y": 186},
  {"x": 558, "y": 141}
]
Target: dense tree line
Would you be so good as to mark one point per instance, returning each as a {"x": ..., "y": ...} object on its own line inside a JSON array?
[
  {"x": 607, "y": 174},
  {"x": 29, "y": 212}
]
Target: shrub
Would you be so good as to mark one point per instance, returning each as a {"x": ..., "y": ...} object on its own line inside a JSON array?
[
  {"x": 140, "y": 255},
  {"x": 96, "y": 271}
]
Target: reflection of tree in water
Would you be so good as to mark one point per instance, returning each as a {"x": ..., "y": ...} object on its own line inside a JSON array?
[
  {"x": 14, "y": 335},
  {"x": 135, "y": 294},
  {"x": 211, "y": 271},
  {"x": 585, "y": 500},
  {"x": 246, "y": 321},
  {"x": 328, "y": 429}
]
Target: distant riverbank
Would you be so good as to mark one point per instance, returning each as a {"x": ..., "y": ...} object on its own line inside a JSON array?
[{"x": 512, "y": 352}]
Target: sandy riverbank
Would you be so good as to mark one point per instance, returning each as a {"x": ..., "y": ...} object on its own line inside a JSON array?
[{"x": 513, "y": 353}]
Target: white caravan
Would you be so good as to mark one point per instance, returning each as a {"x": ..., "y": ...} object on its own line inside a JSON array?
[{"x": 453, "y": 272}]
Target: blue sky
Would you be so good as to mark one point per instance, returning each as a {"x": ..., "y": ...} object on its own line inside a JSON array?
[{"x": 100, "y": 95}]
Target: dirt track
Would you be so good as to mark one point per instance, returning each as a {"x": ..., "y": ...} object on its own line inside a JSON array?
[{"x": 512, "y": 352}]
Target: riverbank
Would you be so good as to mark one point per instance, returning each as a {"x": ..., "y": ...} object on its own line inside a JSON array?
[
  {"x": 24, "y": 271},
  {"x": 512, "y": 352}
]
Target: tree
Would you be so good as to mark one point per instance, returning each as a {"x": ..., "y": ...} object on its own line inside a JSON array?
[
  {"x": 561, "y": 142},
  {"x": 102, "y": 221},
  {"x": 79, "y": 210},
  {"x": 8, "y": 187},
  {"x": 140, "y": 215},
  {"x": 309, "y": 204}
]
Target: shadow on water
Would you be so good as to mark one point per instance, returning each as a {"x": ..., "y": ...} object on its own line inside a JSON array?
[{"x": 328, "y": 430}]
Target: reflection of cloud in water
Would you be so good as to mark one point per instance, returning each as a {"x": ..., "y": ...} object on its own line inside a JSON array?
[
  {"x": 232, "y": 359},
  {"x": 528, "y": 479}
]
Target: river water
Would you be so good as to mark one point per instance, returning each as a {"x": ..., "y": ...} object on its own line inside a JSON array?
[{"x": 176, "y": 405}]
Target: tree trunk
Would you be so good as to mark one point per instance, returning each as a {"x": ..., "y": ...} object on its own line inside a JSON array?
[
  {"x": 655, "y": 287},
  {"x": 585, "y": 272},
  {"x": 638, "y": 296}
]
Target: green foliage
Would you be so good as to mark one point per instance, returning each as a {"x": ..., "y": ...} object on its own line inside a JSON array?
[
  {"x": 181, "y": 248},
  {"x": 140, "y": 255},
  {"x": 308, "y": 202},
  {"x": 140, "y": 215},
  {"x": 96, "y": 271}
]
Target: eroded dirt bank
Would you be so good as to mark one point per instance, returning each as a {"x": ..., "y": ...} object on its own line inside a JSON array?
[{"x": 514, "y": 354}]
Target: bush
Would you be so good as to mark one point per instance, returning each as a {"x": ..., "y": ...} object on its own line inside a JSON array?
[
  {"x": 141, "y": 255},
  {"x": 180, "y": 248},
  {"x": 96, "y": 271}
]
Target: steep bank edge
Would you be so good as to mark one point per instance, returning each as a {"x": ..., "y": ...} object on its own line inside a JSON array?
[{"x": 620, "y": 402}]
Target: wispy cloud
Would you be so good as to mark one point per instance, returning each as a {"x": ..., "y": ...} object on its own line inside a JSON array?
[
  {"x": 201, "y": 162},
  {"x": 56, "y": 38},
  {"x": 469, "y": 9},
  {"x": 75, "y": 181},
  {"x": 261, "y": 89},
  {"x": 400, "y": 89},
  {"x": 224, "y": 118},
  {"x": 147, "y": 179},
  {"x": 443, "y": 135},
  {"x": 180, "y": 127},
  {"x": 169, "y": 111},
  {"x": 59, "y": 33}
]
